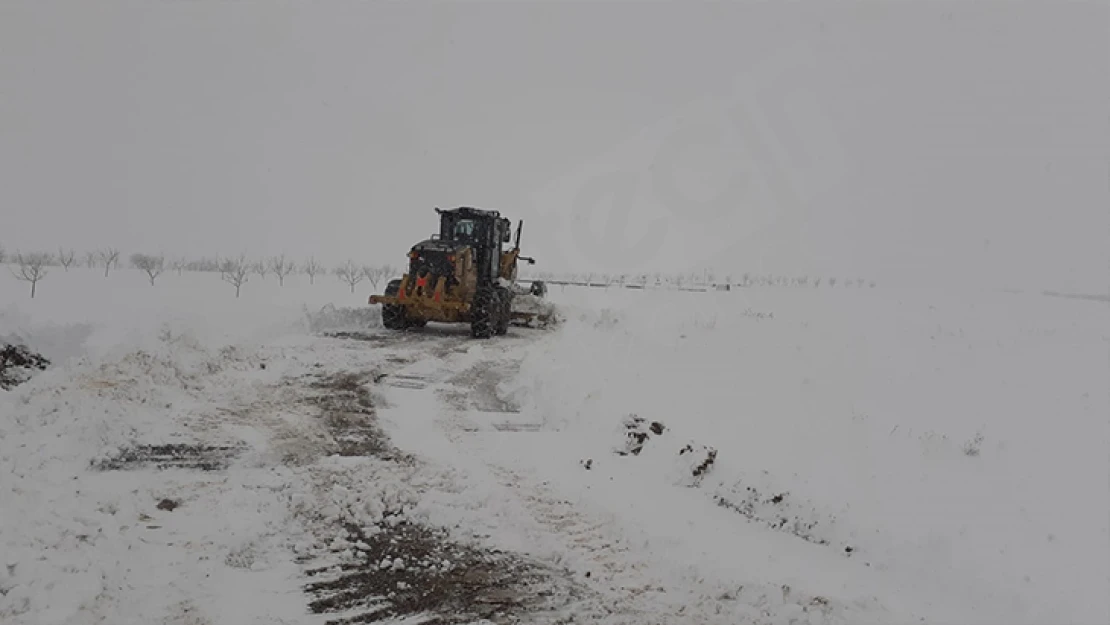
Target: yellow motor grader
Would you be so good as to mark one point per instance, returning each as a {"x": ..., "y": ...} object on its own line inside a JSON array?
[{"x": 464, "y": 274}]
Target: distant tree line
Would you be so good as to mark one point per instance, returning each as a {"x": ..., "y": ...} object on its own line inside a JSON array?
[
  {"x": 695, "y": 280},
  {"x": 237, "y": 271},
  {"x": 33, "y": 267}
]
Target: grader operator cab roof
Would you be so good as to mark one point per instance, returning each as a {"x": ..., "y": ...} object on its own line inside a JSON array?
[{"x": 472, "y": 226}]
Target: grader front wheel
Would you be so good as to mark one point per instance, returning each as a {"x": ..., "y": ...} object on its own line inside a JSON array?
[{"x": 393, "y": 315}]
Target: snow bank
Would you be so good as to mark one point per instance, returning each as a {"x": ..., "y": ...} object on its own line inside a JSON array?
[
  {"x": 82, "y": 314},
  {"x": 956, "y": 445},
  {"x": 64, "y": 527},
  {"x": 130, "y": 363}
]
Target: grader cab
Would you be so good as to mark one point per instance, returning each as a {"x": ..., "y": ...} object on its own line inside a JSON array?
[{"x": 463, "y": 274}]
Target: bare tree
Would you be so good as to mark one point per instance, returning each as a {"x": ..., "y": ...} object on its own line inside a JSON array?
[
  {"x": 350, "y": 274},
  {"x": 211, "y": 265},
  {"x": 153, "y": 266},
  {"x": 261, "y": 268},
  {"x": 281, "y": 267},
  {"x": 313, "y": 269},
  {"x": 110, "y": 257},
  {"x": 32, "y": 268},
  {"x": 90, "y": 259},
  {"x": 178, "y": 265},
  {"x": 375, "y": 274},
  {"x": 235, "y": 272},
  {"x": 66, "y": 259}
]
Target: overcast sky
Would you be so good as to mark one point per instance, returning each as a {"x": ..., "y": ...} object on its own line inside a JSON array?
[{"x": 894, "y": 140}]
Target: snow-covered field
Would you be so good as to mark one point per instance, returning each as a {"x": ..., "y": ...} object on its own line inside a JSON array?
[{"x": 757, "y": 456}]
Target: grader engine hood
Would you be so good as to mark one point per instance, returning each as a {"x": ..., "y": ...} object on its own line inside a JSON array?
[
  {"x": 435, "y": 257},
  {"x": 434, "y": 264}
]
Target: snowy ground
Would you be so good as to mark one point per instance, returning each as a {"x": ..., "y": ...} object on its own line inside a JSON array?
[{"x": 763, "y": 456}]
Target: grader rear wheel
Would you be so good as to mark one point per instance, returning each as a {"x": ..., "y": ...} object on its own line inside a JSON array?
[
  {"x": 393, "y": 315},
  {"x": 504, "y": 311},
  {"x": 484, "y": 314}
]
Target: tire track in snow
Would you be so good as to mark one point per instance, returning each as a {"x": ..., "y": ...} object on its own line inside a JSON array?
[
  {"x": 632, "y": 586},
  {"x": 608, "y": 562},
  {"x": 410, "y": 412},
  {"x": 629, "y": 592},
  {"x": 436, "y": 397}
]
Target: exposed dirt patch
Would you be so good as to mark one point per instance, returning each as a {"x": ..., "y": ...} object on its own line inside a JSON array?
[
  {"x": 747, "y": 507},
  {"x": 171, "y": 456},
  {"x": 18, "y": 364},
  {"x": 441, "y": 341},
  {"x": 404, "y": 569},
  {"x": 701, "y": 458},
  {"x": 780, "y": 512},
  {"x": 369, "y": 337},
  {"x": 346, "y": 407},
  {"x": 637, "y": 431},
  {"x": 383, "y": 562}
]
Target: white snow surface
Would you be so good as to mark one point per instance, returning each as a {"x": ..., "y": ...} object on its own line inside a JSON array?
[{"x": 880, "y": 455}]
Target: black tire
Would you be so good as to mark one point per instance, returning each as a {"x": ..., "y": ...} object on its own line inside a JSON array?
[
  {"x": 393, "y": 315},
  {"x": 539, "y": 288},
  {"x": 483, "y": 313},
  {"x": 504, "y": 311}
]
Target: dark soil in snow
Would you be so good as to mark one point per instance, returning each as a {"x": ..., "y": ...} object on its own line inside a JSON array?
[
  {"x": 401, "y": 567},
  {"x": 363, "y": 336},
  {"x": 18, "y": 364},
  {"x": 347, "y": 409},
  {"x": 171, "y": 456},
  {"x": 404, "y": 569},
  {"x": 778, "y": 512},
  {"x": 637, "y": 432}
]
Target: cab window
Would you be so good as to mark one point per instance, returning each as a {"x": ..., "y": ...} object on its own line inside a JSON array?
[{"x": 464, "y": 228}]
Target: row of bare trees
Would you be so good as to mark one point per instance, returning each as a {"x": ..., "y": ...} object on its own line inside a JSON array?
[
  {"x": 237, "y": 271},
  {"x": 107, "y": 258},
  {"x": 32, "y": 268},
  {"x": 35, "y": 266},
  {"x": 695, "y": 280}
]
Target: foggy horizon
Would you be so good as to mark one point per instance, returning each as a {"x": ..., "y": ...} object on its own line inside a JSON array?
[{"x": 902, "y": 142}]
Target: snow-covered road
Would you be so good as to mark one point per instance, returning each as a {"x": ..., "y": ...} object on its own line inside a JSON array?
[
  {"x": 369, "y": 476},
  {"x": 629, "y": 467}
]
